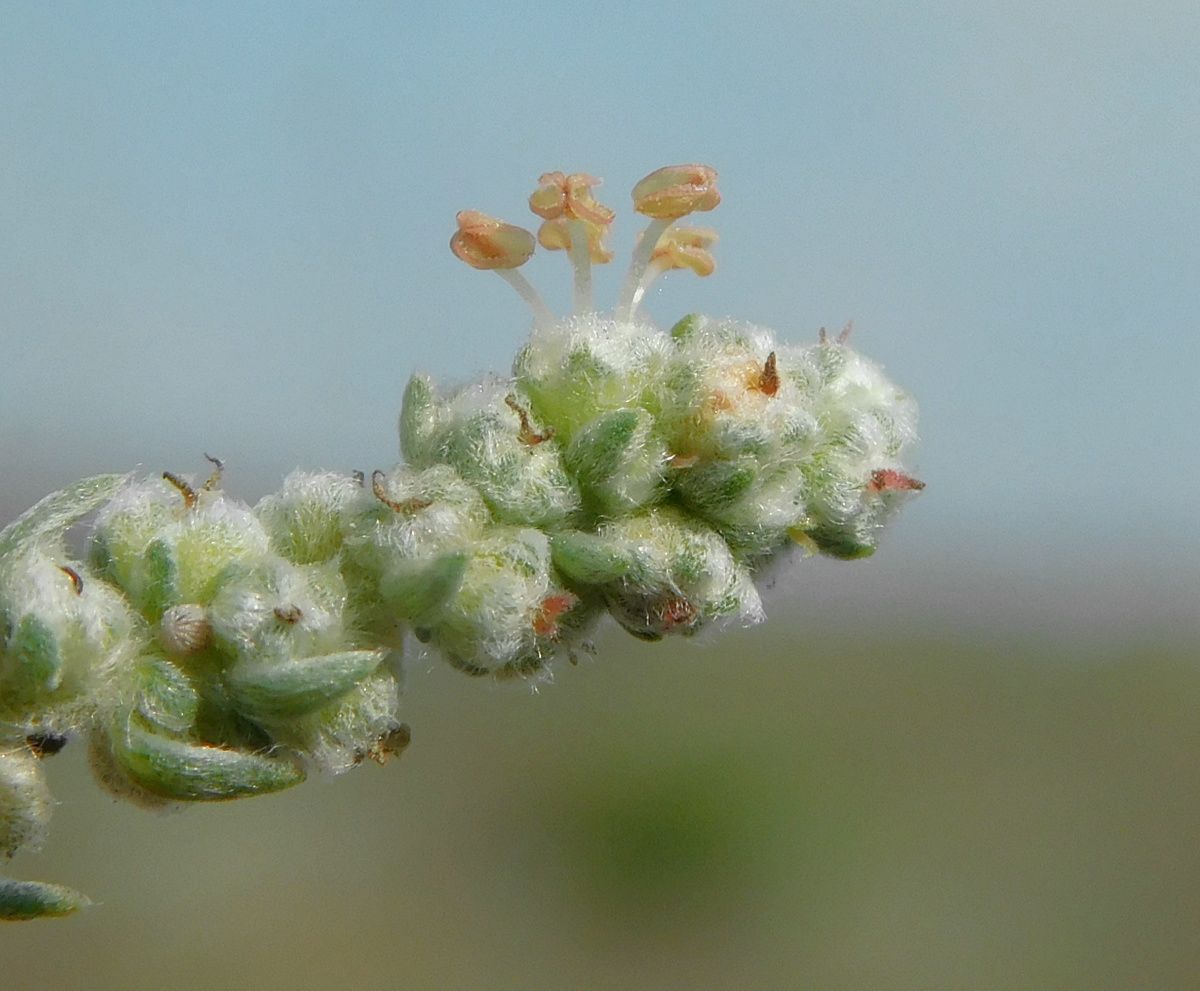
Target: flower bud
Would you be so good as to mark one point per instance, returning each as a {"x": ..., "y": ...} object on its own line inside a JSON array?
[{"x": 185, "y": 629}]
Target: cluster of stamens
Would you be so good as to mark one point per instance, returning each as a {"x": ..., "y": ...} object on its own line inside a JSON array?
[{"x": 573, "y": 220}]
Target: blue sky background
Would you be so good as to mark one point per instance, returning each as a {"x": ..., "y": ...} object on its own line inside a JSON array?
[{"x": 223, "y": 228}]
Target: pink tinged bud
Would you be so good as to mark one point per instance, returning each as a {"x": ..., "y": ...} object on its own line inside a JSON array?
[
  {"x": 676, "y": 191},
  {"x": 569, "y": 196},
  {"x": 675, "y": 612},
  {"x": 686, "y": 247},
  {"x": 888, "y": 480},
  {"x": 487, "y": 243},
  {"x": 545, "y": 622},
  {"x": 555, "y": 235}
]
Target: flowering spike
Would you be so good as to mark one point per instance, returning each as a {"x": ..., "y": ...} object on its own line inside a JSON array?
[{"x": 213, "y": 651}]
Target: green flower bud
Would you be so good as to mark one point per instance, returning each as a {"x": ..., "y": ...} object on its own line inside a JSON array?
[
  {"x": 163, "y": 549},
  {"x": 487, "y": 436},
  {"x": 499, "y": 621},
  {"x": 618, "y": 462},
  {"x": 588, "y": 365},
  {"x": 306, "y": 520},
  {"x": 340, "y": 735},
  {"x": 665, "y": 574}
]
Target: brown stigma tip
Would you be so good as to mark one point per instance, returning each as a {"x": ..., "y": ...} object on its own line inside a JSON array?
[
  {"x": 288, "y": 614},
  {"x": 768, "y": 378},
  {"x": 406, "y": 506},
  {"x": 213, "y": 480},
  {"x": 185, "y": 490},
  {"x": 528, "y": 436}
]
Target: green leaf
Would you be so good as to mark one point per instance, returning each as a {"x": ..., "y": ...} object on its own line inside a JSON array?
[
  {"x": 418, "y": 421},
  {"x": 419, "y": 590},
  {"x": 588, "y": 559},
  {"x": 190, "y": 772},
  {"x": 273, "y": 690},
  {"x": 56, "y": 512},
  {"x": 161, "y": 577},
  {"x": 601, "y": 448},
  {"x": 716, "y": 485},
  {"x": 165, "y": 695},
  {"x": 34, "y": 648},
  {"x": 685, "y": 327}
]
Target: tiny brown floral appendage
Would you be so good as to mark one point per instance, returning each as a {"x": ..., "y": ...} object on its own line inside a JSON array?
[{"x": 406, "y": 506}]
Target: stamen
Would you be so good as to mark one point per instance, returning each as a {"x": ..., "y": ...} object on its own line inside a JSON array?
[
  {"x": 581, "y": 263},
  {"x": 679, "y": 247},
  {"x": 674, "y": 611},
  {"x": 405, "y": 506},
  {"x": 805, "y": 542},
  {"x": 569, "y": 196},
  {"x": 541, "y": 312},
  {"x": 391, "y": 744},
  {"x": 584, "y": 243},
  {"x": 545, "y": 621},
  {"x": 665, "y": 195},
  {"x": 637, "y": 266},
  {"x": 576, "y": 222},
  {"x": 486, "y": 243},
  {"x": 675, "y": 191}
]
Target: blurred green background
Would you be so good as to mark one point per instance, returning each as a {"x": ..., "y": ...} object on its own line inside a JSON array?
[
  {"x": 967, "y": 763},
  {"x": 787, "y": 808}
]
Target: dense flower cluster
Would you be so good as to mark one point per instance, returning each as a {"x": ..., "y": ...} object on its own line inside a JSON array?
[{"x": 208, "y": 650}]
